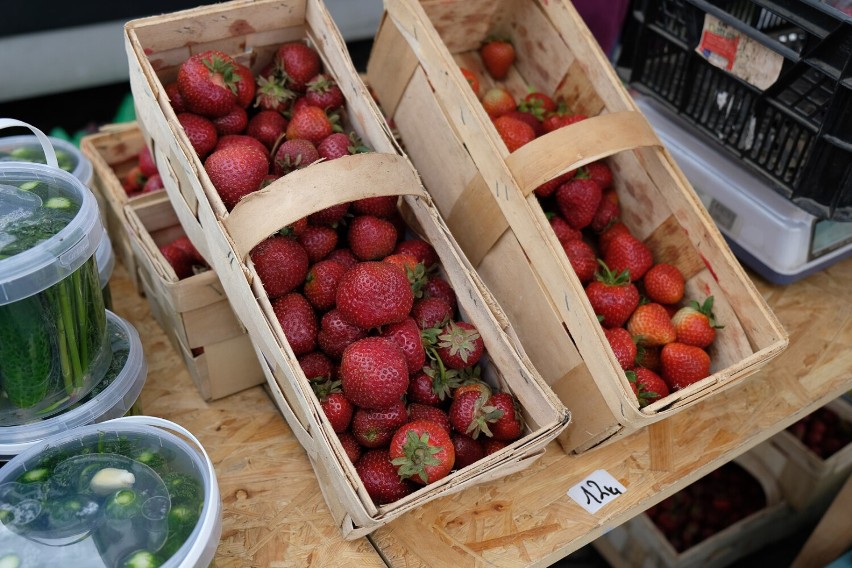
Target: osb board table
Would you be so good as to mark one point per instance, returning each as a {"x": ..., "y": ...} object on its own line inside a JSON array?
[{"x": 274, "y": 514}]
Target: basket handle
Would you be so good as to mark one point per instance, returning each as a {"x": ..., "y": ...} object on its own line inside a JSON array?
[
  {"x": 316, "y": 187},
  {"x": 46, "y": 146},
  {"x": 209, "y": 521}
]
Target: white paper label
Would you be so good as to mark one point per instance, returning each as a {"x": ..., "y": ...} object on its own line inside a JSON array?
[{"x": 598, "y": 489}]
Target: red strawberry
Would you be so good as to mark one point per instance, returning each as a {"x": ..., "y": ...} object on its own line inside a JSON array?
[
  {"x": 460, "y": 345},
  {"x": 234, "y": 122},
  {"x": 582, "y": 258},
  {"x": 318, "y": 241},
  {"x": 470, "y": 415},
  {"x": 613, "y": 297},
  {"x": 321, "y": 283},
  {"x": 299, "y": 63},
  {"x": 186, "y": 245},
  {"x": 431, "y": 313},
  {"x": 650, "y": 325},
  {"x": 309, "y": 123},
  {"x": 549, "y": 187},
  {"x": 338, "y": 144},
  {"x": 695, "y": 324},
  {"x": 153, "y": 183},
  {"x": 246, "y": 86},
  {"x": 382, "y": 206},
  {"x": 683, "y": 364},
  {"x": 344, "y": 256},
  {"x": 497, "y": 55},
  {"x": 235, "y": 171},
  {"x": 623, "y": 347},
  {"x": 648, "y": 357},
  {"x": 200, "y": 131},
  {"x": 175, "y": 98},
  {"x": 664, "y": 284},
  {"x": 317, "y": 367},
  {"x": 420, "y": 390},
  {"x": 467, "y": 449},
  {"x": 434, "y": 414},
  {"x": 437, "y": 287},
  {"x": 414, "y": 271},
  {"x": 472, "y": 79},
  {"x": 422, "y": 451},
  {"x": 558, "y": 120},
  {"x": 600, "y": 172},
  {"x": 647, "y": 385},
  {"x": 281, "y": 264},
  {"x": 372, "y": 294},
  {"x": 380, "y": 477},
  {"x": 509, "y": 426},
  {"x": 514, "y": 132},
  {"x": 271, "y": 94},
  {"x": 419, "y": 249},
  {"x": 626, "y": 252},
  {"x": 336, "y": 407},
  {"x": 293, "y": 155},
  {"x": 350, "y": 446},
  {"x": 336, "y": 334},
  {"x": 371, "y": 238},
  {"x": 564, "y": 231},
  {"x": 578, "y": 201},
  {"x": 134, "y": 180},
  {"x": 498, "y": 101},
  {"x": 146, "y": 162},
  {"x": 374, "y": 373},
  {"x": 527, "y": 118},
  {"x": 298, "y": 322},
  {"x": 180, "y": 262},
  {"x": 406, "y": 334},
  {"x": 538, "y": 104},
  {"x": 267, "y": 126},
  {"x": 374, "y": 428},
  {"x": 608, "y": 213},
  {"x": 330, "y": 216},
  {"x": 474, "y": 385},
  {"x": 208, "y": 83},
  {"x": 323, "y": 92},
  {"x": 606, "y": 237}
]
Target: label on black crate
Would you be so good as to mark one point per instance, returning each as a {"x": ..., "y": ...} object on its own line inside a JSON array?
[
  {"x": 729, "y": 49},
  {"x": 598, "y": 489}
]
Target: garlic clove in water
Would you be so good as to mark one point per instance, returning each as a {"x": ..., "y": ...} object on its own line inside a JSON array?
[{"x": 111, "y": 479}]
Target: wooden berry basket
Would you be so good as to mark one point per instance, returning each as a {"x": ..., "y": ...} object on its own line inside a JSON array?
[
  {"x": 414, "y": 72},
  {"x": 194, "y": 312},
  {"x": 113, "y": 151},
  {"x": 639, "y": 542},
  {"x": 252, "y": 31}
]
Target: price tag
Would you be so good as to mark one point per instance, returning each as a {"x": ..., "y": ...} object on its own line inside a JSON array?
[{"x": 598, "y": 489}]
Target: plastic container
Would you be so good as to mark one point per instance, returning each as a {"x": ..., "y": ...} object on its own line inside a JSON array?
[
  {"x": 766, "y": 81},
  {"x": 53, "y": 341},
  {"x": 99, "y": 495},
  {"x": 105, "y": 259},
  {"x": 28, "y": 149},
  {"x": 115, "y": 396}
]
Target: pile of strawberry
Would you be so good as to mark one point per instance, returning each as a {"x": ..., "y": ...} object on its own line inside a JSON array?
[
  {"x": 823, "y": 431},
  {"x": 659, "y": 339},
  {"x": 250, "y": 130},
  {"x": 377, "y": 332},
  {"x": 184, "y": 258},
  {"x": 143, "y": 176},
  {"x": 711, "y": 504}
]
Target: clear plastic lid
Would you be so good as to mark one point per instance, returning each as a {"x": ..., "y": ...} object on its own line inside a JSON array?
[
  {"x": 111, "y": 398},
  {"x": 105, "y": 259},
  {"x": 28, "y": 149},
  {"x": 104, "y": 494},
  {"x": 31, "y": 192}
]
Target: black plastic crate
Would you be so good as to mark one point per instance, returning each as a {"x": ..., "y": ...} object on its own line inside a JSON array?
[{"x": 796, "y": 131}]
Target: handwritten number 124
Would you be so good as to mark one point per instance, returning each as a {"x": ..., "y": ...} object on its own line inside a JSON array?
[{"x": 593, "y": 491}]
